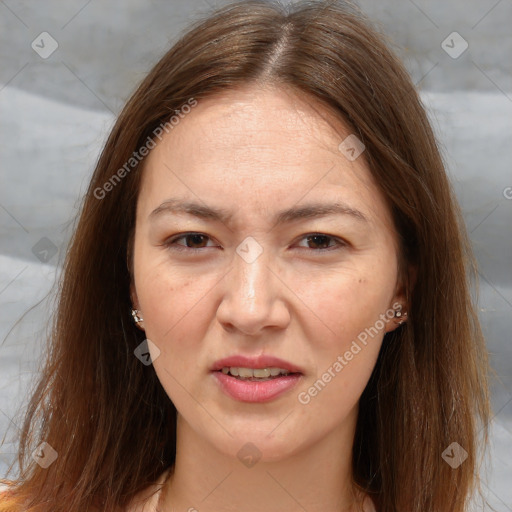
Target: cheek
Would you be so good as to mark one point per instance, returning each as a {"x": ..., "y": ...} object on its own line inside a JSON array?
[
  {"x": 174, "y": 307},
  {"x": 352, "y": 306},
  {"x": 345, "y": 304},
  {"x": 167, "y": 297},
  {"x": 171, "y": 302},
  {"x": 346, "y": 355}
]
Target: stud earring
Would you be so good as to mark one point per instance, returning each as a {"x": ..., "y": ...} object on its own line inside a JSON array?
[
  {"x": 136, "y": 317},
  {"x": 399, "y": 314}
]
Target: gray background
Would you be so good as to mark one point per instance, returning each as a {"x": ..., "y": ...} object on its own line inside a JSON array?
[{"x": 56, "y": 112}]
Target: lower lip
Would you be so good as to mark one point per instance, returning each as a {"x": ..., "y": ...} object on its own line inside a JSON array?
[{"x": 254, "y": 391}]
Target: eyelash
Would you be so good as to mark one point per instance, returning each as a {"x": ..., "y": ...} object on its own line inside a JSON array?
[{"x": 171, "y": 243}]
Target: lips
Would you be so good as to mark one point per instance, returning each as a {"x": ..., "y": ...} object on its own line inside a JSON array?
[
  {"x": 254, "y": 389},
  {"x": 259, "y": 362}
]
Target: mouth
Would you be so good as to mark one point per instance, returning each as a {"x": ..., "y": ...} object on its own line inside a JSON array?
[
  {"x": 255, "y": 379},
  {"x": 256, "y": 374},
  {"x": 263, "y": 366}
]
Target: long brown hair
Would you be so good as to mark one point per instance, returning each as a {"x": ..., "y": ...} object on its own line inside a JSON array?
[{"x": 107, "y": 415}]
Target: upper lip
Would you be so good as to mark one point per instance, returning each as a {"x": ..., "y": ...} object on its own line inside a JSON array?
[{"x": 262, "y": 361}]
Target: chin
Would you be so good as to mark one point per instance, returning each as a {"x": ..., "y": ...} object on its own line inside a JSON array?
[{"x": 250, "y": 445}]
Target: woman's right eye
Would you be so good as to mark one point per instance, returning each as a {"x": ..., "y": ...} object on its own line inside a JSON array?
[{"x": 191, "y": 240}]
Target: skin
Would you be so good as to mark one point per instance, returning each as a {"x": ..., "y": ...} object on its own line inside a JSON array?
[{"x": 256, "y": 152}]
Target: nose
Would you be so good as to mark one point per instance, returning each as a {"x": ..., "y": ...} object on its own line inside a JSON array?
[{"x": 253, "y": 297}]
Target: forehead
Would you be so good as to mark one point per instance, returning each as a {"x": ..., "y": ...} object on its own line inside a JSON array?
[
  {"x": 255, "y": 148},
  {"x": 253, "y": 124}
]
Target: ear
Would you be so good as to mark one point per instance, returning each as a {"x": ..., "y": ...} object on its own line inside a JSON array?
[{"x": 401, "y": 300}]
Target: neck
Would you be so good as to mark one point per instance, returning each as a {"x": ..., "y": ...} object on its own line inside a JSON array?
[{"x": 316, "y": 478}]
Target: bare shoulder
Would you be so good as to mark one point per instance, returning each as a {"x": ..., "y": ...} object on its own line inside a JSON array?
[
  {"x": 147, "y": 499},
  {"x": 144, "y": 501},
  {"x": 368, "y": 505}
]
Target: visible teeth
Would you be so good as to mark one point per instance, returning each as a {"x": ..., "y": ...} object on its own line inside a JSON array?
[
  {"x": 258, "y": 373},
  {"x": 261, "y": 372},
  {"x": 243, "y": 372}
]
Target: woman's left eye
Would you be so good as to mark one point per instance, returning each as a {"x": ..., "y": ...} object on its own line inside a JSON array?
[
  {"x": 320, "y": 239},
  {"x": 320, "y": 242}
]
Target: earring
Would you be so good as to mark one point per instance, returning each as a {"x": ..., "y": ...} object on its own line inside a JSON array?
[
  {"x": 136, "y": 317},
  {"x": 399, "y": 314}
]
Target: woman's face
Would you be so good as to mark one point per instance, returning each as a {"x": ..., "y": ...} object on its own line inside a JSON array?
[{"x": 227, "y": 264}]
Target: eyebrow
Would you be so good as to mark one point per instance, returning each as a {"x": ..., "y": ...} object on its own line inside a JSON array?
[{"x": 307, "y": 211}]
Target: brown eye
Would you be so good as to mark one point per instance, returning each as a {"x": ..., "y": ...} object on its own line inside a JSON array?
[
  {"x": 193, "y": 241},
  {"x": 321, "y": 242}
]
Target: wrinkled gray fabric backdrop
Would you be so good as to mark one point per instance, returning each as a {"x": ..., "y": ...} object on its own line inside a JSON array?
[{"x": 66, "y": 70}]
